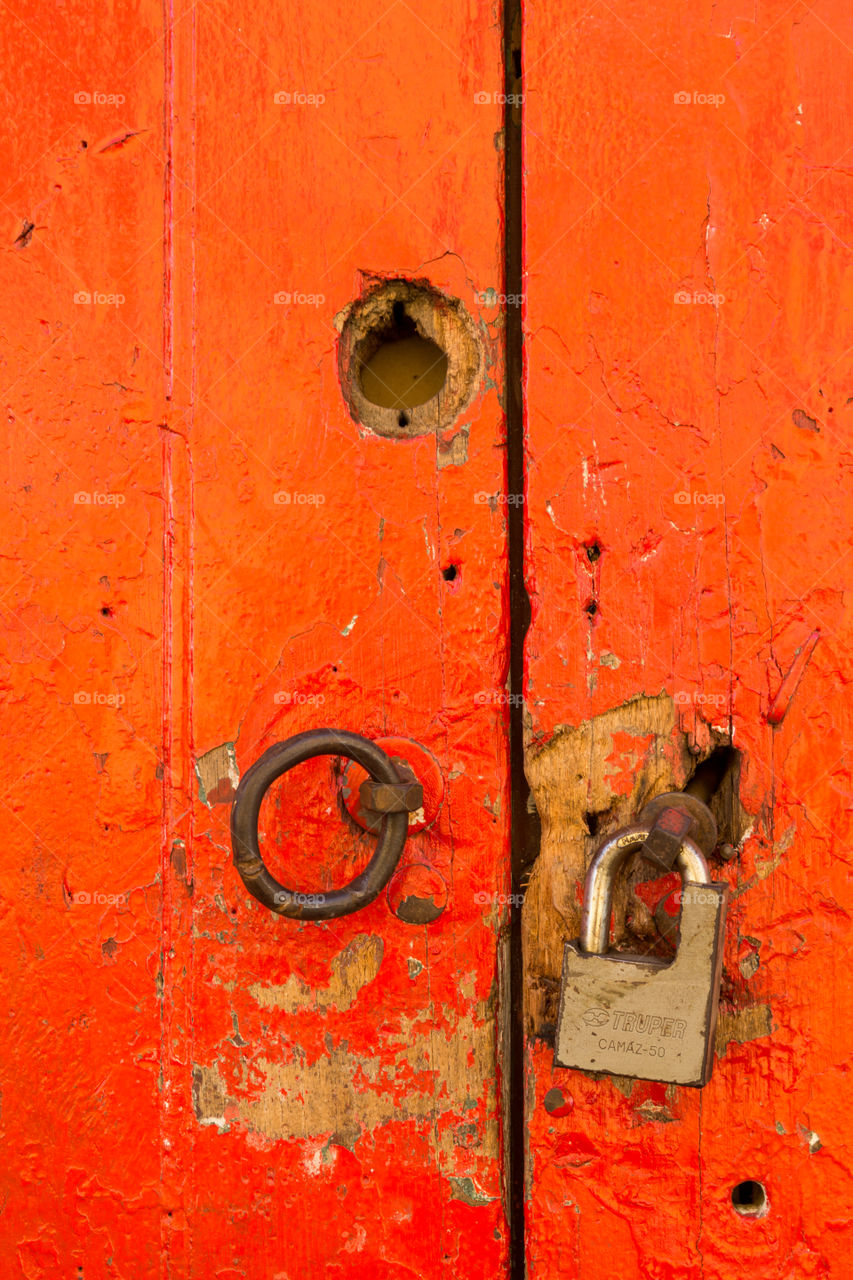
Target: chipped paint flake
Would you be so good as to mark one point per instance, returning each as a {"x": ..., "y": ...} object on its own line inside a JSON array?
[
  {"x": 217, "y": 775},
  {"x": 466, "y": 1190},
  {"x": 654, "y": 1112},
  {"x": 811, "y": 1139}
]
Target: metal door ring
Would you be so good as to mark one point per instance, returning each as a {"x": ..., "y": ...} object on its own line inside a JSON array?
[{"x": 279, "y": 759}]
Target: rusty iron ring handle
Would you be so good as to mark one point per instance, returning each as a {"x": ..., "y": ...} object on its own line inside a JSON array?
[{"x": 254, "y": 784}]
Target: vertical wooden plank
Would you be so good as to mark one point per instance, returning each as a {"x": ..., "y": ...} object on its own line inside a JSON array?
[
  {"x": 335, "y": 1092},
  {"x": 689, "y": 366},
  {"x": 81, "y": 639}
]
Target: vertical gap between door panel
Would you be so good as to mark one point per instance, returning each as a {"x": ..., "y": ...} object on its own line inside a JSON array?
[{"x": 523, "y": 842}]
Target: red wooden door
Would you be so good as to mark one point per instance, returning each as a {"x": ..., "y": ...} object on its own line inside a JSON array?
[
  {"x": 217, "y": 220},
  {"x": 688, "y": 318},
  {"x": 223, "y": 1093}
]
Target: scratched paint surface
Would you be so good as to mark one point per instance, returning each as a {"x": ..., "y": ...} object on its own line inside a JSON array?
[
  {"x": 689, "y": 416},
  {"x": 81, "y": 646},
  {"x": 221, "y": 1093},
  {"x": 334, "y": 1089}
]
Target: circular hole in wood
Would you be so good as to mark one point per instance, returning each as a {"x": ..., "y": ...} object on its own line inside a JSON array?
[
  {"x": 750, "y": 1199},
  {"x": 409, "y": 359},
  {"x": 406, "y": 369}
]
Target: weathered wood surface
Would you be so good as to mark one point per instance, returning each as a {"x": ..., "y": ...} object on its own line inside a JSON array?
[
  {"x": 193, "y": 1087},
  {"x": 689, "y": 411}
]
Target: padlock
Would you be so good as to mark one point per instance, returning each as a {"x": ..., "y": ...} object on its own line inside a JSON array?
[{"x": 640, "y": 1016}]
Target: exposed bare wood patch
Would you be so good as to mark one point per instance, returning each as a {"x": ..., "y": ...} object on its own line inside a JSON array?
[
  {"x": 218, "y": 775},
  {"x": 466, "y": 1190},
  {"x": 742, "y": 1025},
  {"x": 209, "y": 1097},
  {"x": 588, "y": 781},
  {"x": 354, "y": 967},
  {"x": 454, "y": 452},
  {"x": 344, "y": 1095}
]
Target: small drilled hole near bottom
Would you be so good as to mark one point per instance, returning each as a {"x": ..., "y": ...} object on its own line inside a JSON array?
[
  {"x": 403, "y": 420},
  {"x": 749, "y": 1198}
]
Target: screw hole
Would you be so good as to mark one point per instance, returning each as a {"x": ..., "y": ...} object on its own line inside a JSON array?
[{"x": 749, "y": 1198}]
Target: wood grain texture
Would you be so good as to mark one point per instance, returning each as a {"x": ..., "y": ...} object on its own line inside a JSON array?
[{"x": 689, "y": 406}]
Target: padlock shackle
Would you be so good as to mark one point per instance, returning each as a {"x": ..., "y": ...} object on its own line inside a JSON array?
[{"x": 605, "y": 867}]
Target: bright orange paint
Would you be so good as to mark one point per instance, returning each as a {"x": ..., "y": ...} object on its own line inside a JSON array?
[
  {"x": 345, "y": 1115},
  {"x": 206, "y": 554},
  {"x": 743, "y": 404}
]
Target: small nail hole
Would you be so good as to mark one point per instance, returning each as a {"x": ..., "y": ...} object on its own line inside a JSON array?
[
  {"x": 403, "y": 420},
  {"x": 591, "y": 821},
  {"x": 593, "y": 551},
  {"x": 749, "y": 1198},
  {"x": 449, "y": 574},
  {"x": 106, "y": 612},
  {"x": 591, "y": 609}
]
